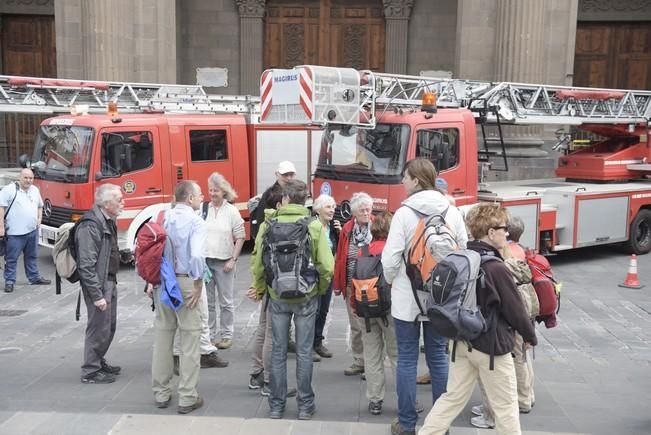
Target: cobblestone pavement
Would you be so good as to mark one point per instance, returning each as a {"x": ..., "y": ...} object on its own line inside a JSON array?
[{"x": 592, "y": 371}]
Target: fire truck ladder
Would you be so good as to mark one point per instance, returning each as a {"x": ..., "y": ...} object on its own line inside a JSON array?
[{"x": 51, "y": 96}]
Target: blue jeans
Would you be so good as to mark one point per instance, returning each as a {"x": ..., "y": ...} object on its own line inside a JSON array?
[
  {"x": 407, "y": 336},
  {"x": 281, "y": 315},
  {"x": 27, "y": 244},
  {"x": 322, "y": 315}
]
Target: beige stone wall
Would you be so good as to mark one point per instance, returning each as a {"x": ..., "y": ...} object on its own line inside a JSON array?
[{"x": 432, "y": 33}]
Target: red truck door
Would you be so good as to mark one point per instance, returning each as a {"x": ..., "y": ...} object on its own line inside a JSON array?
[{"x": 131, "y": 158}]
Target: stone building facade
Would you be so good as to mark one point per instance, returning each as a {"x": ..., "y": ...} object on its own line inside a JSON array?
[{"x": 515, "y": 40}]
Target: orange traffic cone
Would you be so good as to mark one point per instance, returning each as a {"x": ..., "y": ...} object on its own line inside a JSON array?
[{"x": 631, "y": 280}]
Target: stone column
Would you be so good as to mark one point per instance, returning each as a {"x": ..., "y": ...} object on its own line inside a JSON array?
[
  {"x": 97, "y": 40},
  {"x": 520, "y": 57},
  {"x": 396, "y": 14},
  {"x": 251, "y": 37}
]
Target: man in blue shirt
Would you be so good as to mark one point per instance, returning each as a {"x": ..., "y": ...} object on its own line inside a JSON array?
[
  {"x": 186, "y": 233},
  {"x": 21, "y": 209}
]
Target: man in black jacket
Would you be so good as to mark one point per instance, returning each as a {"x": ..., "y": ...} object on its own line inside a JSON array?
[
  {"x": 98, "y": 262},
  {"x": 286, "y": 171},
  {"x": 489, "y": 356}
]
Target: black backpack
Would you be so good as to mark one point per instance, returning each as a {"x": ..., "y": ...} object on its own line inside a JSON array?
[
  {"x": 371, "y": 291},
  {"x": 287, "y": 258}
]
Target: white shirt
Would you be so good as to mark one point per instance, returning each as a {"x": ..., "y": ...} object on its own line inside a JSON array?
[
  {"x": 224, "y": 225},
  {"x": 23, "y": 215}
]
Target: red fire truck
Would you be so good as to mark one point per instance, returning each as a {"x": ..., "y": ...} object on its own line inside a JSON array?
[
  {"x": 145, "y": 138},
  {"x": 373, "y": 123}
]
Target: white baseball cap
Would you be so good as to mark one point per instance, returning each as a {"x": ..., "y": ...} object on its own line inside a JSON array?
[{"x": 286, "y": 167}]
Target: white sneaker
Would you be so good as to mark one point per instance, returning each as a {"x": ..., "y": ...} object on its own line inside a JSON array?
[
  {"x": 477, "y": 410},
  {"x": 481, "y": 422}
]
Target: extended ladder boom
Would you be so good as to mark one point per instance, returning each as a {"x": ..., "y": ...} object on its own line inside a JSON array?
[
  {"x": 325, "y": 95},
  {"x": 52, "y": 96}
]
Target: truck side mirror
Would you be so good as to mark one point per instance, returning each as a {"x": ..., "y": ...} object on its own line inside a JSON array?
[
  {"x": 24, "y": 161},
  {"x": 99, "y": 176}
]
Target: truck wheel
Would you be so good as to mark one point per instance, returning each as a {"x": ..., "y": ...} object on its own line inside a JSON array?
[{"x": 640, "y": 236}]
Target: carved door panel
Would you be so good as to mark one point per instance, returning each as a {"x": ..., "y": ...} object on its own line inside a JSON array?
[
  {"x": 28, "y": 49},
  {"x": 613, "y": 55},
  {"x": 324, "y": 32}
]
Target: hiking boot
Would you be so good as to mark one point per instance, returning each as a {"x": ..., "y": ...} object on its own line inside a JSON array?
[
  {"x": 477, "y": 409},
  {"x": 164, "y": 404},
  {"x": 177, "y": 363},
  {"x": 98, "y": 377},
  {"x": 256, "y": 381},
  {"x": 375, "y": 407},
  {"x": 322, "y": 351},
  {"x": 224, "y": 343},
  {"x": 396, "y": 429},
  {"x": 424, "y": 379},
  {"x": 9, "y": 288},
  {"x": 353, "y": 370},
  {"x": 306, "y": 414},
  {"x": 266, "y": 391},
  {"x": 212, "y": 360},
  {"x": 482, "y": 422},
  {"x": 291, "y": 347},
  {"x": 188, "y": 409},
  {"x": 315, "y": 357},
  {"x": 41, "y": 281},
  {"x": 114, "y": 370}
]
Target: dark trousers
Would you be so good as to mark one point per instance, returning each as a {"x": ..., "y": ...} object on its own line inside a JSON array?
[
  {"x": 322, "y": 315},
  {"x": 100, "y": 329},
  {"x": 27, "y": 244}
]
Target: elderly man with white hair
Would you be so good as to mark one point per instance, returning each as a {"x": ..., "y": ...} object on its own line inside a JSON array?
[{"x": 98, "y": 262}]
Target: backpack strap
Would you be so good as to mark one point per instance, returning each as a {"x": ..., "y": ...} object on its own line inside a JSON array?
[
  {"x": 204, "y": 209},
  {"x": 365, "y": 251}
]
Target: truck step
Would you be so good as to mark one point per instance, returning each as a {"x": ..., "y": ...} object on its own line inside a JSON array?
[{"x": 643, "y": 167}]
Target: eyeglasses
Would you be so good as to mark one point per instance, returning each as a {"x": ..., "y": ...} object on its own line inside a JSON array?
[{"x": 501, "y": 227}]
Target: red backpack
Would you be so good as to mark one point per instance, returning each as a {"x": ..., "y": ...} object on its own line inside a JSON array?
[
  {"x": 543, "y": 281},
  {"x": 150, "y": 244}
]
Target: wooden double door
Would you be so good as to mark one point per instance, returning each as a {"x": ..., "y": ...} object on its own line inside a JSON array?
[
  {"x": 613, "y": 55},
  {"x": 344, "y": 33}
]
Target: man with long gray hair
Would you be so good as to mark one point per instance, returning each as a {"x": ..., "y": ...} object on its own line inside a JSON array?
[{"x": 98, "y": 262}]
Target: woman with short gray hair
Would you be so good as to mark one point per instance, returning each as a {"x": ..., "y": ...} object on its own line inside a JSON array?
[{"x": 355, "y": 234}]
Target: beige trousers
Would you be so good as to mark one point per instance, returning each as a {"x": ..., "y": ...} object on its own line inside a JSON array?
[
  {"x": 166, "y": 322},
  {"x": 523, "y": 363},
  {"x": 356, "y": 344},
  {"x": 500, "y": 385},
  {"x": 381, "y": 340}
]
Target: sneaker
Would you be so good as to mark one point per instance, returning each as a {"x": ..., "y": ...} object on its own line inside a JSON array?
[
  {"x": 9, "y": 288},
  {"x": 424, "y": 380},
  {"x": 315, "y": 357},
  {"x": 212, "y": 360},
  {"x": 291, "y": 347},
  {"x": 41, "y": 281},
  {"x": 188, "y": 409},
  {"x": 114, "y": 370},
  {"x": 276, "y": 413},
  {"x": 164, "y": 404},
  {"x": 177, "y": 364},
  {"x": 525, "y": 410},
  {"x": 396, "y": 429},
  {"x": 266, "y": 391},
  {"x": 224, "y": 343},
  {"x": 99, "y": 377},
  {"x": 256, "y": 381},
  {"x": 375, "y": 407},
  {"x": 419, "y": 408},
  {"x": 306, "y": 414},
  {"x": 322, "y": 351},
  {"x": 477, "y": 409},
  {"x": 353, "y": 370},
  {"x": 482, "y": 422}
]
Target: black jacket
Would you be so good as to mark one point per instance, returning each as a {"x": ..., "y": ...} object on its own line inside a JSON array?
[
  {"x": 257, "y": 217},
  {"x": 500, "y": 297}
]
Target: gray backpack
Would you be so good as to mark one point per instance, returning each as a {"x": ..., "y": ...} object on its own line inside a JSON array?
[
  {"x": 452, "y": 304},
  {"x": 287, "y": 258}
]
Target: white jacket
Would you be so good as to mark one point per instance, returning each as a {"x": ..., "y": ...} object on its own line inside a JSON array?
[{"x": 428, "y": 202}]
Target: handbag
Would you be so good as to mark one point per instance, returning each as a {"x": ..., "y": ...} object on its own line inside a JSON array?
[{"x": 3, "y": 240}]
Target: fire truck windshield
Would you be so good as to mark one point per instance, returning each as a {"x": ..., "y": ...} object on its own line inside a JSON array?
[
  {"x": 62, "y": 153},
  {"x": 354, "y": 154}
]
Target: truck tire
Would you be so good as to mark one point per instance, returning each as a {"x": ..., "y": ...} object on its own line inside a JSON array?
[{"x": 639, "y": 241}]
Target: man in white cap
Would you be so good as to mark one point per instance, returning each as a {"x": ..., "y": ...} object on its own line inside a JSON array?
[{"x": 286, "y": 171}]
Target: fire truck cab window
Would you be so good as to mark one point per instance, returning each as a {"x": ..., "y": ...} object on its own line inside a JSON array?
[
  {"x": 208, "y": 145},
  {"x": 124, "y": 152},
  {"x": 441, "y": 146}
]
